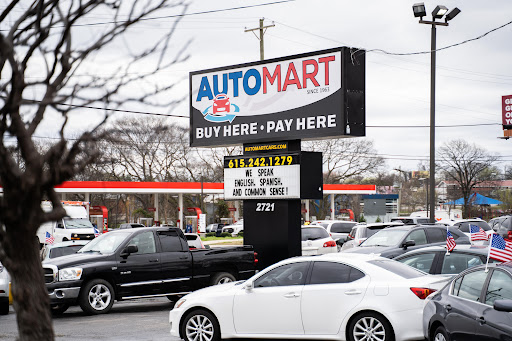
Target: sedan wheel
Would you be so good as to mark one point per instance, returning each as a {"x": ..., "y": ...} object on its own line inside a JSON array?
[
  {"x": 370, "y": 327},
  {"x": 200, "y": 325},
  {"x": 440, "y": 334}
]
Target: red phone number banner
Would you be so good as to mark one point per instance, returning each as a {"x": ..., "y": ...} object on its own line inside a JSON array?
[{"x": 506, "y": 109}]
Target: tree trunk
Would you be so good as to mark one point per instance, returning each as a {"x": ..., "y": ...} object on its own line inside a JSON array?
[{"x": 31, "y": 301}]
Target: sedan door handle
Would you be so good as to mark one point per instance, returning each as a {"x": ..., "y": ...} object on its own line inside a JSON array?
[
  {"x": 481, "y": 319},
  {"x": 353, "y": 292},
  {"x": 291, "y": 295},
  {"x": 153, "y": 260}
]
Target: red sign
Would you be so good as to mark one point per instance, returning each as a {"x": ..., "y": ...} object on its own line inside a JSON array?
[
  {"x": 151, "y": 209},
  {"x": 506, "y": 110},
  {"x": 232, "y": 209},
  {"x": 303, "y": 210}
]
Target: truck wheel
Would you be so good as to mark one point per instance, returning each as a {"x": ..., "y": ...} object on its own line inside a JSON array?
[
  {"x": 221, "y": 278},
  {"x": 59, "y": 309},
  {"x": 200, "y": 325},
  {"x": 96, "y": 297}
]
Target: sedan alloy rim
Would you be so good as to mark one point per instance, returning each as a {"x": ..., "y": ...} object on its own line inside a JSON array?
[
  {"x": 439, "y": 337},
  {"x": 369, "y": 329},
  {"x": 99, "y": 297},
  {"x": 199, "y": 328}
]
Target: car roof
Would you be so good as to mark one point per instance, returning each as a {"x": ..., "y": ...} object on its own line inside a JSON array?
[
  {"x": 67, "y": 243},
  {"x": 477, "y": 249},
  {"x": 391, "y": 224}
]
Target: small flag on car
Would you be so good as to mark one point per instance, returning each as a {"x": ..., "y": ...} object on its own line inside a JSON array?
[
  {"x": 500, "y": 248},
  {"x": 49, "y": 238},
  {"x": 450, "y": 242},
  {"x": 477, "y": 233},
  {"x": 96, "y": 232}
]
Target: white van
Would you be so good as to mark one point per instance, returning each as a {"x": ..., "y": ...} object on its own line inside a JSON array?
[
  {"x": 452, "y": 214},
  {"x": 75, "y": 226}
]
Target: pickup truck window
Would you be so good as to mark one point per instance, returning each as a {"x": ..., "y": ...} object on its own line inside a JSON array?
[
  {"x": 170, "y": 241},
  {"x": 106, "y": 243},
  {"x": 145, "y": 242}
]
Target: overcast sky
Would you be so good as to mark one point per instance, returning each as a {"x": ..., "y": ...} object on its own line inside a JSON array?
[{"x": 471, "y": 78}]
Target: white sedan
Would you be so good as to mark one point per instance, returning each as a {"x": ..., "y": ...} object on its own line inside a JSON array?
[
  {"x": 316, "y": 240},
  {"x": 329, "y": 297}
]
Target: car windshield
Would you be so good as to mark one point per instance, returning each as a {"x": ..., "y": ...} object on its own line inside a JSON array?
[
  {"x": 370, "y": 231},
  {"x": 77, "y": 223},
  {"x": 106, "y": 243},
  {"x": 464, "y": 227},
  {"x": 386, "y": 237},
  {"x": 406, "y": 221},
  {"x": 313, "y": 233}
]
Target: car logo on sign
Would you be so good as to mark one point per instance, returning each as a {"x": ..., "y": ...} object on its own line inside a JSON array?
[{"x": 222, "y": 110}]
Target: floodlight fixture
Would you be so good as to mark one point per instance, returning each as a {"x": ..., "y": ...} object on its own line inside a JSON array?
[
  {"x": 452, "y": 14},
  {"x": 439, "y": 12},
  {"x": 419, "y": 10}
]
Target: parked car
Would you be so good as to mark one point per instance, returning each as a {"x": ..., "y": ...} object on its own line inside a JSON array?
[
  {"x": 361, "y": 232},
  {"x": 338, "y": 229},
  {"x": 434, "y": 259},
  {"x": 50, "y": 251},
  {"x": 504, "y": 228},
  {"x": 463, "y": 225},
  {"x": 213, "y": 227},
  {"x": 495, "y": 223},
  {"x": 377, "y": 298},
  {"x": 394, "y": 241},
  {"x": 475, "y": 305},
  {"x": 4, "y": 291},
  {"x": 137, "y": 263},
  {"x": 411, "y": 220},
  {"x": 316, "y": 240},
  {"x": 130, "y": 225},
  {"x": 234, "y": 229},
  {"x": 194, "y": 241}
]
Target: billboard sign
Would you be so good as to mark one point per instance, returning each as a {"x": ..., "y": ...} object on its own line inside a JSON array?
[
  {"x": 308, "y": 96},
  {"x": 506, "y": 110}
]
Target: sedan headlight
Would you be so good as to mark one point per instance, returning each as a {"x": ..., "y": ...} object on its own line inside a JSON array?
[{"x": 70, "y": 274}]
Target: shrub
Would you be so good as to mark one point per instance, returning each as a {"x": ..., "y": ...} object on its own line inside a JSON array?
[
  {"x": 210, "y": 234},
  {"x": 362, "y": 219},
  {"x": 378, "y": 220},
  {"x": 240, "y": 234},
  {"x": 225, "y": 234}
]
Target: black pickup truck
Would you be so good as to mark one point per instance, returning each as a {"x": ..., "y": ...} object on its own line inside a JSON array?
[{"x": 137, "y": 263}]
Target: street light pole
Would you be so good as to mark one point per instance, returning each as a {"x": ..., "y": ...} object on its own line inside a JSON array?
[{"x": 438, "y": 13}]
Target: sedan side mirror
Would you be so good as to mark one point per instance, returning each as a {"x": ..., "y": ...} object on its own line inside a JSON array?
[
  {"x": 503, "y": 305},
  {"x": 408, "y": 243},
  {"x": 249, "y": 286},
  {"x": 129, "y": 250}
]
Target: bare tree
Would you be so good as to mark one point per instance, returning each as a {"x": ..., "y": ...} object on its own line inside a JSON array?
[
  {"x": 468, "y": 165},
  {"x": 51, "y": 56}
]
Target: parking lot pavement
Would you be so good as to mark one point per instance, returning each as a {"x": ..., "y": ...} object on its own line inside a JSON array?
[{"x": 136, "y": 320}]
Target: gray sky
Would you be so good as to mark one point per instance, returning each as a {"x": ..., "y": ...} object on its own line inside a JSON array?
[{"x": 471, "y": 78}]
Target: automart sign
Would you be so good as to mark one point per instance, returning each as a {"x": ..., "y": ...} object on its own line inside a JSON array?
[
  {"x": 507, "y": 111},
  {"x": 307, "y": 96}
]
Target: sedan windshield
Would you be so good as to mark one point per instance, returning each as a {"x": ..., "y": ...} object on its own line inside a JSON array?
[
  {"x": 386, "y": 237},
  {"x": 77, "y": 223},
  {"x": 106, "y": 243}
]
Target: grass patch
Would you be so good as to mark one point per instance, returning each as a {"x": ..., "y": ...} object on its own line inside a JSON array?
[{"x": 207, "y": 239}]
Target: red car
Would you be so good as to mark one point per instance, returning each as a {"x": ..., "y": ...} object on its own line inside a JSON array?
[{"x": 221, "y": 104}]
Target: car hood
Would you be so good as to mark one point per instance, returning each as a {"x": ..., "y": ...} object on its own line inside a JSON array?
[
  {"x": 76, "y": 259},
  {"x": 215, "y": 289}
]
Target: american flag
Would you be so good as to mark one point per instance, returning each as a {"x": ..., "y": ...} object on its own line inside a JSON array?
[
  {"x": 96, "y": 232},
  {"x": 500, "y": 248},
  {"x": 49, "y": 238},
  {"x": 477, "y": 233},
  {"x": 450, "y": 242}
]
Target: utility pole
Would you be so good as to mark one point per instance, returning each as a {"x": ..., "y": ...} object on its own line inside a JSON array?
[{"x": 262, "y": 30}]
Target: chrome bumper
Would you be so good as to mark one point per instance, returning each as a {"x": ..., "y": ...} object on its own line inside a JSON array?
[{"x": 64, "y": 293}]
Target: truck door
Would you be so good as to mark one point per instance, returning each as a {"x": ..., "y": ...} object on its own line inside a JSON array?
[
  {"x": 176, "y": 262},
  {"x": 138, "y": 274}
]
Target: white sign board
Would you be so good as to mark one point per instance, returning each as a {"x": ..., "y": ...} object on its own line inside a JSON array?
[
  {"x": 274, "y": 182},
  {"x": 201, "y": 224}
]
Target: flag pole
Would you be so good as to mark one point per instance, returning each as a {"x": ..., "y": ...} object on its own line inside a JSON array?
[
  {"x": 447, "y": 252},
  {"x": 488, "y": 254}
]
